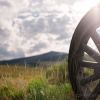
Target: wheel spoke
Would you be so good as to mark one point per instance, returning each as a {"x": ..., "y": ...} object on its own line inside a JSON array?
[
  {"x": 95, "y": 93},
  {"x": 96, "y": 39},
  {"x": 95, "y": 55},
  {"x": 88, "y": 80},
  {"x": 89, "y": 64}
]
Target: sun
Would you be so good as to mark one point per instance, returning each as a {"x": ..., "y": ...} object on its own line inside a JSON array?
[
  {"x": 90, "y": 3},
  {"x": 82, "y": 8},
  {"x": 85, "y": 5}
]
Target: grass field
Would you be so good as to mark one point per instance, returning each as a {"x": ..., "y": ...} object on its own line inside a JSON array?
[{"x": 35, "y": 83}]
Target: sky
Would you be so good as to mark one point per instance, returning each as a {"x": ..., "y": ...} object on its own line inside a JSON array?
[{"x": 31, "y": 27}]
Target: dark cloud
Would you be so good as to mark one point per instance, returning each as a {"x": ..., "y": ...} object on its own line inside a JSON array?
[
  {"x": 3, "y": 50},
  {"x": 50, "y": 24},
  {"x": 58, "y": 26},
  {"x": 4, "y": 35},
  {"x": 5, "y": 53},
  {"x": 4, "y": 45},
  {"x": 4, "y": 3},
  {"x": 18, "y": 53},
  {"x": 4, "y": 32},
  {"x": 38, "y": 47},
  {"x": 42, "y": 17},
  {"x": 63, "y": 36},
  {"x": 31, "y": 28},
  {"x": 22, "y": 17}
]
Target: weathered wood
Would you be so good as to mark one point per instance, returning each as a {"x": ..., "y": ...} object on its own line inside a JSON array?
[
  {"x": 85, "y": 30},
  {"x": 95, "y": 55},
  {"x": 88, "y": 64}
]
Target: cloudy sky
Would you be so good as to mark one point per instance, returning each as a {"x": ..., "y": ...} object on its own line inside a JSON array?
[{"x": 30, "y": 27}]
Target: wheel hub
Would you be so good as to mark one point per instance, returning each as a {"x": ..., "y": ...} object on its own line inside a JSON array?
[{"x": 97, "y": 71}]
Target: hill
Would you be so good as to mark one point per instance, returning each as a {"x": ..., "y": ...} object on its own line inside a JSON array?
[{"x": 33, "y": 60}]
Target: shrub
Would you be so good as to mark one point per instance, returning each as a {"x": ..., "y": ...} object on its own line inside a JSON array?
[
  {"x": 9, "y": 93},
  {"x": 6, "y": 93},
  {"x": 59, "y": 92},
  {"x": 40, "y": 89},
  {"x": 37, "y": 89},
  {"x": 18, "y": 95},
  {"x": 57, "y": 74}
]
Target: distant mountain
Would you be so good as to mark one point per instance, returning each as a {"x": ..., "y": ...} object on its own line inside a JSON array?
[{"x": 46, "y": 57}]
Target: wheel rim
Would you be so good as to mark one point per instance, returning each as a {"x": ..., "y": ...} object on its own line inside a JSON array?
[{"x": 84, "y": 31}]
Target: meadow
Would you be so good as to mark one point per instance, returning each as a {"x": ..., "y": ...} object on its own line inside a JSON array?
[{"x": 19, "y": 82}]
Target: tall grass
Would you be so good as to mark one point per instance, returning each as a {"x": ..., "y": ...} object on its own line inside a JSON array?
[{"x": 39, "y": 83}]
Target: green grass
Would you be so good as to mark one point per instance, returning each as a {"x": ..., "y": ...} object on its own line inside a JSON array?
[{"x": 40, "y": 83}]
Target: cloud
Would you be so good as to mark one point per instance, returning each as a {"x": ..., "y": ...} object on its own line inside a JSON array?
[
  {"x": 4, "y": 35},
  {"x": 17, "y": 54},
  {"x": 37, "y": 20},
  {"x": 4, "y": 3},
  {"x": 6, "y": 54},
  {"x": 67, "y": 1},
  {"x": 58, "y": 26},
  {"x": 51, "y": 24},
  {"x": 29, "y": 27},
  {"x": 38, "y": 47},
  {"x": 32, "y": 25},
  {"x": 37, "y": 1},
  {"x": 3, "y": 51}
]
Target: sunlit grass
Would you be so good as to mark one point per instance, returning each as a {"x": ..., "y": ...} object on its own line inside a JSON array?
[{"x": 35, "y": 83}]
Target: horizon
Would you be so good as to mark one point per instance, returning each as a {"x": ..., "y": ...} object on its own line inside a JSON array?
[
  {"x": 33, "y": 55},
  {"x": 34, "y": 27}
]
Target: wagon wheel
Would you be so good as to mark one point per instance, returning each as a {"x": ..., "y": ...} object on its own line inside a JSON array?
[{"x": 85, "y": 30}]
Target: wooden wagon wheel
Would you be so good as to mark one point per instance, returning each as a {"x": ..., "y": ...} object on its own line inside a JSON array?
[{"x": 85, "y": 30}]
